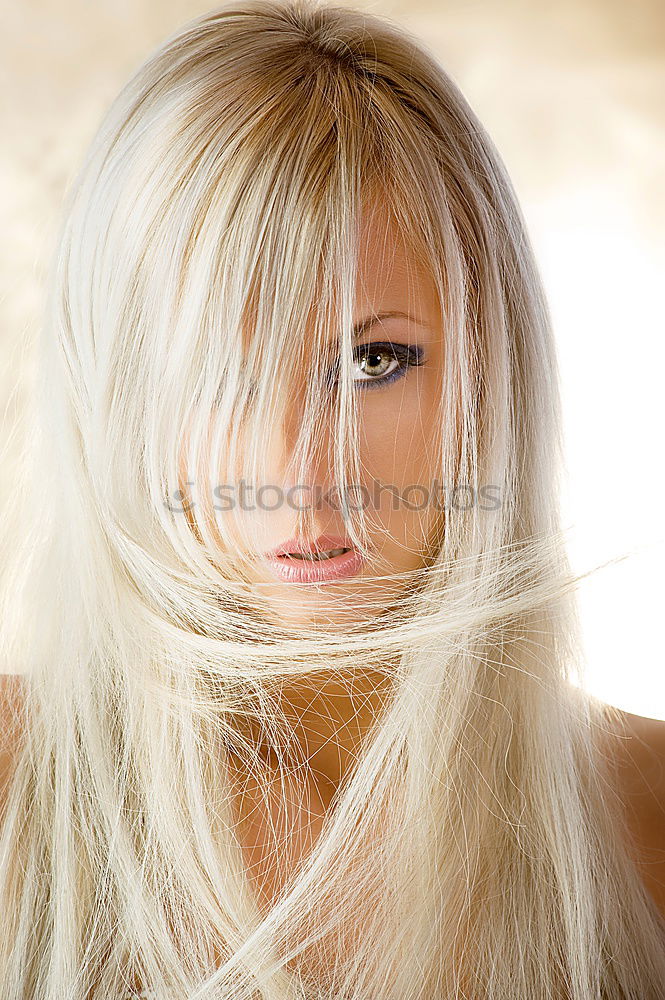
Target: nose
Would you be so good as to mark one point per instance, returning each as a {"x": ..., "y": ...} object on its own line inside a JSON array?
[
  {"x": 283, "y": 442},
  {"x": 301, "y": 489}
]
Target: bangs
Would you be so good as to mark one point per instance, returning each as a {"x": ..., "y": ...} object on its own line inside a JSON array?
[
  {"x": 233, "y": 235},
  {"x": 270, "y": 280}
]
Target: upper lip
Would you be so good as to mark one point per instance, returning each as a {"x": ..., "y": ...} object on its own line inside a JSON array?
[{"x": 321, "y": 544}]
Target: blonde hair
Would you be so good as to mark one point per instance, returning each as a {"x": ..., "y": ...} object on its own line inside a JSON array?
[{"x": 209, "y": 248}]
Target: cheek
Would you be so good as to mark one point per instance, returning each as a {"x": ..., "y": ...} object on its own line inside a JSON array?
[
  {"x": 399, "y": 448},
  {"x": 397, "y": 436}
]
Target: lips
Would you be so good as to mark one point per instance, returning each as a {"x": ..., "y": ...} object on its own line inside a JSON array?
[
  {"x": 328, "y": 558},
  {"x": 321, "y": 545}
]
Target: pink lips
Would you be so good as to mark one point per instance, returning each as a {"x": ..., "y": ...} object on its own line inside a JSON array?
[{"x": 293, "y": 570}]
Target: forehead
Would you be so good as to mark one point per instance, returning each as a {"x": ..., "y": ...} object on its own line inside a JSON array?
[{"x": 391, "y": 274}]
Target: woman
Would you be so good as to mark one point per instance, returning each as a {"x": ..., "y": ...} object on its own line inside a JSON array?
[{"x": 296, "y": 618}]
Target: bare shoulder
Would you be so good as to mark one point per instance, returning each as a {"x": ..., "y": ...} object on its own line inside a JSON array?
[
  {"x": 639, "y": 755},
  {"x": 11, "y": 694}
]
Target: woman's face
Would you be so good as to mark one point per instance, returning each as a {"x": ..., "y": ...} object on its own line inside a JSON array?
[{"x": 398, "y": 394}]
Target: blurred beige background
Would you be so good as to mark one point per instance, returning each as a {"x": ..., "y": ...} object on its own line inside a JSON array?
[{"x": 573, "y": 94}]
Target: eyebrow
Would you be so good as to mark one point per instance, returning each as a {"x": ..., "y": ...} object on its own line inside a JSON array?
[{"x": 365, "y": 324}]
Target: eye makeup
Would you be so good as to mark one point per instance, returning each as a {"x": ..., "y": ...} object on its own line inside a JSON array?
[
  {"x": 396, "y": 358},
  {"x": 392, "y": 359}
]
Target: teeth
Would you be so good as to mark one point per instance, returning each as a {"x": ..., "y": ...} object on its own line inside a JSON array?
[{"x": 314, "y": 557}]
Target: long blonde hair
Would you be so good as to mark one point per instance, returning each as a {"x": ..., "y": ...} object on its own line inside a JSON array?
[{"x": 208, "y": 250}]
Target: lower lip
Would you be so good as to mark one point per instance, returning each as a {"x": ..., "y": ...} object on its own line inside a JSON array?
[{"x": 291, "y": 570}]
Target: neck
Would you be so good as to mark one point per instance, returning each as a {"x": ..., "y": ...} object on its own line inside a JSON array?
[{"x": 328, "y": 718}]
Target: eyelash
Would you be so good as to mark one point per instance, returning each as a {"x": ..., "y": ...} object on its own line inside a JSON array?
[{"x": 408, "y": 356}]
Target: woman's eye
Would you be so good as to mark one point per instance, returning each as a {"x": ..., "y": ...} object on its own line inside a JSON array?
[{"x": 382, "y": 362}]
